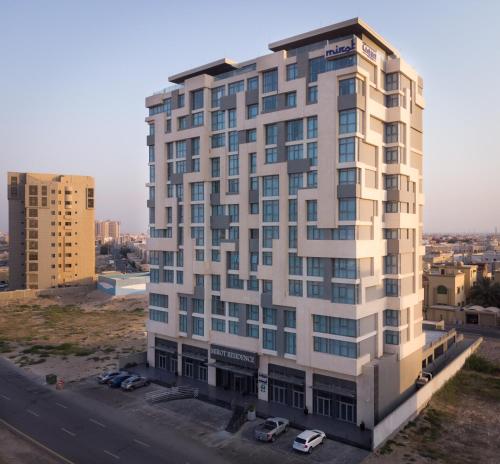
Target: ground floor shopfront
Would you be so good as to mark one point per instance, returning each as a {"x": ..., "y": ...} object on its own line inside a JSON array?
[{"x": 245, "y": 374}]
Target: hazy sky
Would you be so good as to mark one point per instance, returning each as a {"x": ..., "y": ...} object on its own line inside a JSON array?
[{"x": 74, "y": 75}]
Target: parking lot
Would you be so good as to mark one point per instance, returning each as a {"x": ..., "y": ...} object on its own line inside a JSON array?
[{"x": 206, "y": 423}]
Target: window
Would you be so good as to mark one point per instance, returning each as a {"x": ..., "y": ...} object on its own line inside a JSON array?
[
  {"x": 218, "y": 306},
  {"x": 198, "y": 306},
  {"x": 347, "y": 86},
  {"x": 295, "y": 287},
  {"x": 291, "y": 99},
  {"x": 348, "y": 176},
  {"x": 269, "y": 339},
  {"x": 292, "y": 210},
  {"x": 315, "y": 289},
  {"x": 392, "y": 81},
  {"x": 295, "y": 182},
  {"x": 391, "y": 264},
  {"x": 234, "y": 282},
  {"x": 312, "y": 127},
  {"x": 234, "y": 309},
  {"x": 391, "y": 317},
  {"x": 234, "y": 213},
  {"x": 270, "y": 81},
  {"x": 197, "y": 119},
  {"x": 294, "y": 152},
  {"x": 234, "y": 327},
  {"x": 294, "y": 264},
  {"x": 270, "y": 211},
  {"x": 198, "y": 326},
  {"x": 344, "y": 293},
  {"x": 267, "y": 258},
  {"x": 315, "y": 267},
  {"x": 391, "y": 337},
  {"x": 347, "y": 209},
  {"x": 197, "y": 191},
  {"x": 271, "y": 134},
  {"x": 233, "y": 260},
  {"x": 252, "y": 161},
  {"x": 233, "y": 141},
  {"x": 348, "y": 121},
  {"x": 270, "y": 186},
  {"x": 253, "y": 83},
  {"x": 269, "y": 103},
  {"x": 312, "y": 210},
  {"x": 180, "y": 100},
  {"x": 217, "y": 120},
  {"x": 442, "y": 290},
  {"x": 251, "y": 135},
  {"x": 392, "y": 101},
  {"x": 215, "y": 167},
  {"x": 218, "y": 325},
  {"x": 254, "y": 183},
  {"x": 217, "y": 93},
  {"x": 335, "y": 325},
  {"x": 391, "y": 155},
  {"x": 391, "y": 132},
  {"x": 294, "y": 130},
  {"x": 197, "y": 213},
  {"x": 197, "y": 99},
  {"x": 198, "y": 233},
  {"x": 312, "y": 179},
  {"x": 234, "y": 165},
  {"x": 253, "y": 313},
  {"x": 312, "y": 153},
  {"x": 391, "y": 287},
  {"x": 182, "y": 122},
  {"x": 233, "y": 186},
  {"x": 335, "y": 347},
  {"x": 320, "y": 65},
  {"x": 290, "y": 343},
  {"x": 252, "y": 330},
  {"x": 347, "y": 150},
  {"x": 291, "y": 72},
  {"x": 269, "y": 316},
  {"x": 345, "y": 268},
  {"x": 235, "y": 87},
  {"x": 292, "y": 236},
  {"x": 252, "y": 111},
  {"x": 218, "y": 140},
  {"x": 269, "y": 233},
  {"x": 216, "y": 282},
  {"x": 271, "y": 155},
  {"x": 312, "y": 94},
  {"x": 179, "y": 277},
  {"x": 157, "y": 299}
]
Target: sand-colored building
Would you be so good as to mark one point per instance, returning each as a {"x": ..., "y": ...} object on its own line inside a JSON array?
[
  {"x": 107, "y": 231},
  {"x": 285, "y": 206},
  {"x": 51, "y": 230}
]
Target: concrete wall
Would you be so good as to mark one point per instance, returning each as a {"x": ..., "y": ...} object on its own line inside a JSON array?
[
  {"x": 412, "y": 407},
  {"x": 27, "y": 294},
  {"x": 138, "y": 358}
]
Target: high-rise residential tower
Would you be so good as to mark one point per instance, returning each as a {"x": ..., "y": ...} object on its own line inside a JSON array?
[
  {"x": 285, "y": 209},
  {"x": 107, "y": 231},
  {"x": 51, "y": 230}
]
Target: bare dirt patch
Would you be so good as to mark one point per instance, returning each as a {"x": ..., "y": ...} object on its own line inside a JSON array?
[
  {"x": 462, "y": 422},
  {"x": 72, "y": 336}
]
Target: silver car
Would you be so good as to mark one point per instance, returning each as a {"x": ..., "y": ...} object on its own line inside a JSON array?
[{"x": 136, "y": 381}]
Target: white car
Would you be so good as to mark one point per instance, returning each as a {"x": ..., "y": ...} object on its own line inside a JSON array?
[{"x": 308, "y": 440}]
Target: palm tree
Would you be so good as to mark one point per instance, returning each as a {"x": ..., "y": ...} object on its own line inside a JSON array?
[{"x": 485, "y": 293}]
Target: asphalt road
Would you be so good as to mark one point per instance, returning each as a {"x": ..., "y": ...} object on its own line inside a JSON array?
[{"x": 82, "y": 433}]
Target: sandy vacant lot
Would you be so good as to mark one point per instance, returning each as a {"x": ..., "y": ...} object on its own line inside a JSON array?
[
  {"x": 461, "y": 423},
  {"x": 72, "y": 336}
]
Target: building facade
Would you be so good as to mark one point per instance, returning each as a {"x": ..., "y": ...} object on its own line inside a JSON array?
[
  {"x": 51, "y": 229},
  {"x": 107, "y": 231},
  {"x": 285, "y": 209}
]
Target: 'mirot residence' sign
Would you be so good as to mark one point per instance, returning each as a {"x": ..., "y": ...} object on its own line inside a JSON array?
[
  {"x": 348, "y": 46},
  {"x": 232, "y": 356}
]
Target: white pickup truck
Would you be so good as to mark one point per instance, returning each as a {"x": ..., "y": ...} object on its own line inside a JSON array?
[
  {"x": 423, "y": 379},
  {"x": 271, "y": 428}
]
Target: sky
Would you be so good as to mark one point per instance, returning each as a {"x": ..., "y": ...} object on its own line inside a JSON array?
[{"x": 74, "y": 75}]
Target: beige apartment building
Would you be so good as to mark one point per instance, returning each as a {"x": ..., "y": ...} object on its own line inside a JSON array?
[
  {"x": 285, "y": 209},
  {"x": 107, "y": 231},
  {"x": 51, "y": 230}
]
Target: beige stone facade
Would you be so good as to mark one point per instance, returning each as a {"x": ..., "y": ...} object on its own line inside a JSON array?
[
  {"x": 51, "y": 230},
  {"x": 286, "y": 222},
  {"x": 107, "y": 231}
]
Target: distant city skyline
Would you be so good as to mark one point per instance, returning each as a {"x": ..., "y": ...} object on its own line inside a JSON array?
[{"x": 75, "y": 75}]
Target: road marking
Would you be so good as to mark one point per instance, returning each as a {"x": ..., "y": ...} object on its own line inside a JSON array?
[
  {"x": 37, "y": 443},
  {"x": 142, "y": 443},
  {"x": 111, "y": 454},
  {"x": 100, "y": 424},
  {"x": 33, "y": 413},
  {"x": 5, "y": 397},
  {"x": 68, "y": 432},
  {"x": 62, "y": 406}
]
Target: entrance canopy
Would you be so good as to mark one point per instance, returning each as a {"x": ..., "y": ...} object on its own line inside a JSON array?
[{"x": 233, "y": 369}]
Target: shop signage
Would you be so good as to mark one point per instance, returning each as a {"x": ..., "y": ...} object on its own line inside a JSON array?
[
  {"x": 369, "y": 52},
  {"x": 233, "y": 356},
  {"x": 340, "y": 48},
  {"x": 263, "y": 383}
]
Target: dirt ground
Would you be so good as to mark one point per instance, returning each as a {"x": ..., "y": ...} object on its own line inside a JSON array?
[
  {"x": 461, "y": 423},
  {"x": 72, "y": 336}
]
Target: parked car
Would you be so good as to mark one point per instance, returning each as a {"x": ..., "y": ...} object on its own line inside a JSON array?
[
  {"x": 116, "y": 382},
  {"x": 105, "y": 377},
  {"x": 271, "y": 428},
  {"x": 423, "y": 379},
  {"x": 308, "y": 440},
  {"x": 136, "y": 381}
]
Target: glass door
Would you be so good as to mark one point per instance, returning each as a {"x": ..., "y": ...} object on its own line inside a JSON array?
[
  {"x": 202, "y": 373},
  {"x": 173, "y": 363},
  {"x": 346, "y": 411},
  {"x": 162, "y": 361},
  {"x": 298, "y": 399},
  {"x": 279, "y": 394},
  {"x": 323, "y": 406}
]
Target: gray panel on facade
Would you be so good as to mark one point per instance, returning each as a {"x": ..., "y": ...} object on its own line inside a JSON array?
[
  {"x": 302, "y": 64},
  {"x": 215, "y": 199},
  {"x": 177, "y": 178},
  {"x": 220, "y": 222},
  {"x": 242, "y": 320},
  {"x": 327, "y": 278},
  {"x": 400, "y": 195},
  {"x": 281, "y": 104},
  {"x": 299, "y": 165},
  {"x": 150, "y": 140},
  {"x": 228, "y": 102},
  {"x": 253, "y": 245},
  {"x": 347, "y": 102},
  {"x": 348, "y": 191},
  {"x": 266, "y": 299},
  {"x": 253, "y": 196},
  {"x": 175, "y": 99},
  {"x": 280, "y": 332},
  {"x": 150, "y": 203},
  {"x": 252, "y": 97},
  {"x": 242, "y": 137},
  {"x": 199, "y": 292}
]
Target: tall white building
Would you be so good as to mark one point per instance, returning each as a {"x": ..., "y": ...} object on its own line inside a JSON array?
[{"x": 286, "y": 223}]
